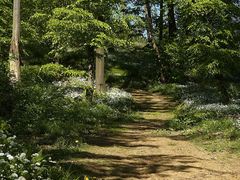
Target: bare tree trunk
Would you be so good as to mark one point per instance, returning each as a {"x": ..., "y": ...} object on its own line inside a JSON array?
[
  {"x": 148, "y": 15},
  {"x": 100, "y": 80},
  {"x": 14, "y": 55},
  {"x": 171, "y": 20},
  {"x": 161, "y": 21}
]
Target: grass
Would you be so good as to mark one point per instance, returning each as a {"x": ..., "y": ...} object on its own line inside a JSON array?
[
  {"x": 216, "y": 136},
  {"x": 212, "y": 130},
  {"x": 219, "y": 145},
  {"x": 116, "y": 71}
]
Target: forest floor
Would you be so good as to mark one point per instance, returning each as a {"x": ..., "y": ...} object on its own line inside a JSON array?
[{"x": 144, "y": 149}]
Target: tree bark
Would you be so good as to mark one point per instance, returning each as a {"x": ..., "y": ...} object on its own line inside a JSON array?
[
  {"x": 161, "y": 21},
  {"x": 171, "y": 20},
  {"x": 14, "y": 55},
  {"x": 148, "y": 15},
  {"x": 100, "y": 80}
]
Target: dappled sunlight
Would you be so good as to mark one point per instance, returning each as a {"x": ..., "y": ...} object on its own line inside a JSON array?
[
  {"x": 142, "y": 149},
  {"x": 119, "y": 89}
]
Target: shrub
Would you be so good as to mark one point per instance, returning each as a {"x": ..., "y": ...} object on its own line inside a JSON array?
[
  {"x": 17, "y": 164},
  {"x": 189, "y": 114},
  {"x": 173, "y": 90},
  {"x": 62, "y": 108},
  {"x": 116, "y": 98},
  {"x": 198, "y": 103},
  {"x": 49, "y": 73},
  {"x": 5, "y": 92},
  {"x": 75, "y": 87},
  {"x": 217, "y": 129}
]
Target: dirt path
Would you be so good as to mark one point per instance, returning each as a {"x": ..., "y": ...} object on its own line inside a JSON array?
[{"x": 143, "y": 150}]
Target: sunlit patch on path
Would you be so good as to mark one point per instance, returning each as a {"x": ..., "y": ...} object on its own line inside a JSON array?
[{"x": 138, "y": 151}]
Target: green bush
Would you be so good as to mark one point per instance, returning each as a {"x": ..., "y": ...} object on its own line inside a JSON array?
[
  {"x": 60, "y": 108},
  {"x": 166, "y": 89},
  {"x": 49, "y": 73},
  {"x": 116, "y": 98},
  {"x": 199, "y": 103},
  {"x": 5, "y": 92},
  {"x": 187, "y": 116},
  {"x": 217, "y": 129},
  {"x": 45, "y": 109},
  {"x": 16, "y": 163}
]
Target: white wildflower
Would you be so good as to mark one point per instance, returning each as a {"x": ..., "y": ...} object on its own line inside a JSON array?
[
  {"x": 10, "y": 157},
  {"x": 22, "y": 155},
  {"x": 14, "y": 175},
  {"x": 25, "y": 172},
  {"x": 21, "y": 178},
  {"x": 35, "y": 155}
]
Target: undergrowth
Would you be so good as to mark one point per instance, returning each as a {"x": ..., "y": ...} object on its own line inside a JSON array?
[
  {"x": 54, "y": 106},
  {"x": 203, "y": 117}
]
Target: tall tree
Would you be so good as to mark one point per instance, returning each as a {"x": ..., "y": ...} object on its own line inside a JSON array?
[
  {"x": 14, "y": 55},
  {"x": 161, "y": 21},
  {"x": 150, "y": 31},
  {"x": 171, "y": 19},
  {"x": 206, "y": 47},
  {"x": 148, "y": 15}
]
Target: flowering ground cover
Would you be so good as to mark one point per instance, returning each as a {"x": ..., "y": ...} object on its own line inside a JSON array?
[{"x": 203, "y": 117}]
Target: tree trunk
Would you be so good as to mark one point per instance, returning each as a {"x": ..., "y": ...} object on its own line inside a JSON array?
[
  {"x": 100, "y": 81},
  {"x": 14, "y": 55},
  {"x": 161, "y": 21},
  {"x": 148, "y": 15},
  {"x": 171, "y": 20}
]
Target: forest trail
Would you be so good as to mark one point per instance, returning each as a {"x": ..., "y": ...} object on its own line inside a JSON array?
[{"x": 144, "y": 150}]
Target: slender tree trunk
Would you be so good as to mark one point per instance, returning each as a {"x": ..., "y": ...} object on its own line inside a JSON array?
[
  {"x": 148, "y": 15},
  {"x": 171, "y": 20},
  {"x": 100, "y": 80},
  {"x": 161, "y": 21},
  {"x": 14, "y": 55}
]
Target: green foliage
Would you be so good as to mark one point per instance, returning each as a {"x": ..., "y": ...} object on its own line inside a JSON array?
[
  {"x": 116, "y": 98},
  {"x": 5, "y": 27},
  {"x": 198, "y": 103},
  {"x": 205, "y": 49},
  {"x": 216, "y": 135},
  {"x": 225, "y": 129},
  {"x": 52, "y": 99},
  {"x": 38, "y": 105},
  {"x": 187, "y": 117},
  {"x": 5, "y": 91},
  {"x": 19, "y": 164},
  {"x": 172, "y": 90},
  {"x": 4, "y": 126},
  {"x": 49, "y": 73},
  {"x": 73, "y": 28},
  {"x": 138, "y": 63}
]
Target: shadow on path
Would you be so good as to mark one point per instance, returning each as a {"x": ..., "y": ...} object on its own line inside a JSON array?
[{"x": 134, "y": 152}]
